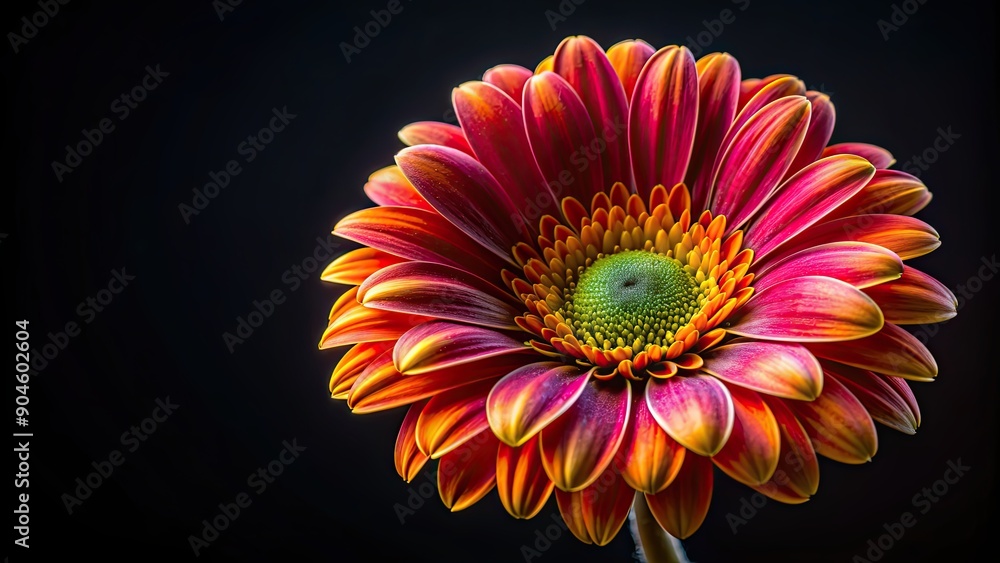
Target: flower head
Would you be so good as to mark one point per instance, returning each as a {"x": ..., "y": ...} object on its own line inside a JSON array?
[{"x": 623, "y": 269}]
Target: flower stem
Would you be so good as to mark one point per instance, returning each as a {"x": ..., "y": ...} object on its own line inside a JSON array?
[{"x": 655, "y": 544}]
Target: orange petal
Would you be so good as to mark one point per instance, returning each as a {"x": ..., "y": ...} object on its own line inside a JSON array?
[
  {"x": 650, "y": 458},
  {"x": 522, "y": 483},
  {"x": 797, "y": 475},
  {"x": 465, "y": 475},
  {"x": 628, "y": 58},
  {"x": 356, "y": 323},
  {"x": 381, "y": 387},
  {"x": 681, "y": 508},
  {"x": 750, "y": 456},
  {"x": 408, "y": 457},
  {"x": 354, "y": 267},
  {"x": 444, "y": 292},
  {"x": 417, "y": 234},
  {"x": 580, "y": 444},
  {"x": 838, "y": 424},
  {"x": 603, "y": 507},
  {"x": 452, "y": 418},
  {"x": 353, "y": 364}
]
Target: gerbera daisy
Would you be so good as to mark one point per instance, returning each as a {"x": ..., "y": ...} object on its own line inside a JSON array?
[{"x": 622, "y": 269}]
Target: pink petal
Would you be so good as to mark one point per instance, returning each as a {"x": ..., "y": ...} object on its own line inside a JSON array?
[
  {"x": 579, "y": 445},
  {"x": 465, "y": 193},
  {"x": 389, "y": 187},
  {"x": 662, "y": 119},
  {"x": 435, "y": 133},
  {"x": 718, "y": 93},
  {"x": 883, "y": 401},
  {"x": 527, "y": 399},
  {"x": 889, "y": 191},
  {"x": 416, "y": 234},
  {"x": 914, "y": 298},
  {"x": 774, "y": 90},
  {"x": 891, "y": 351},
  {"x": 879, "y": 157},
  {"x": 775, "y": 368},
  {"x": 906, "y": 236},
  {"x": 821, "y": 121},
  {"x": 808, "y": 309},
  {"x": 558, "y": 127},
  {"x": 696, "y": 411},
  {"x": 425, "y": 288},
  {"x": 439, "y": 344},
  {"x": 508, "y": 78},
  {"x": 857, "y": 263},
  {"x": 494, "y": 126},
  {"x": 805, "y": 199},
  {"x": 757, "y": 158},
  {"x": 582, "y": 62}
]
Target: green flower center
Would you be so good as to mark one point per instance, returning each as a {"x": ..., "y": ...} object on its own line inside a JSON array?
[{"x": 632, "y": 299}]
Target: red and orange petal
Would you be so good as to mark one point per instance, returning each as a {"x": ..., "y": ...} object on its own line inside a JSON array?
[{"x": 464, "y": 304}]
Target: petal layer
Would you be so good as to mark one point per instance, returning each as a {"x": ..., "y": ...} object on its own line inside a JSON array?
[{"x": 810, "y": 308}]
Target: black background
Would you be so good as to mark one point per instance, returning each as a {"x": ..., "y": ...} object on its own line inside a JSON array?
[{"x": 162, "y": 336}]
